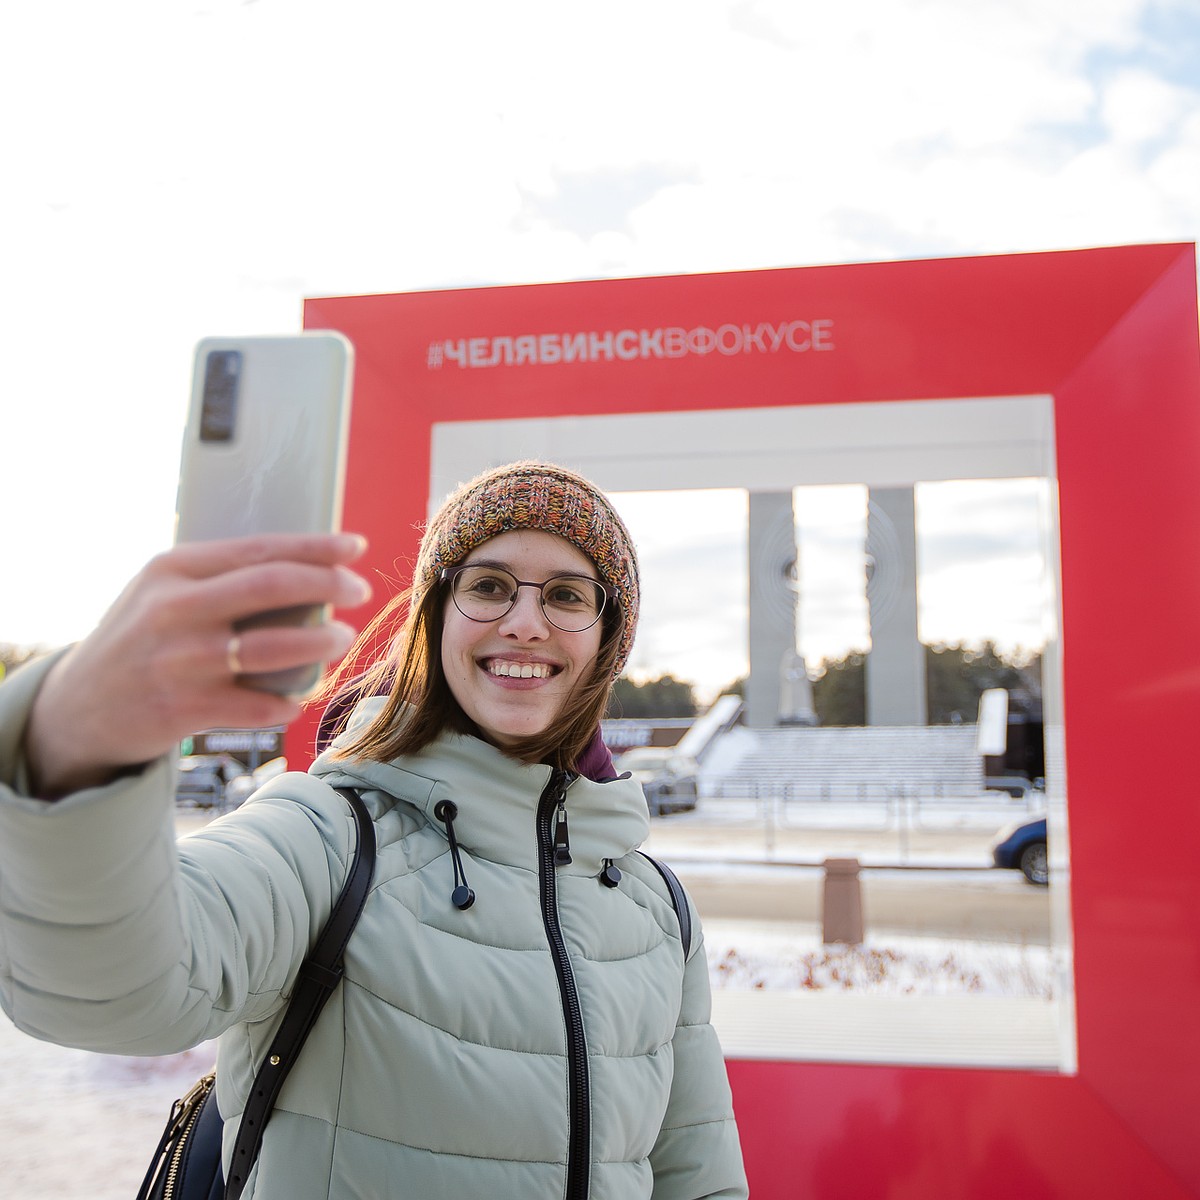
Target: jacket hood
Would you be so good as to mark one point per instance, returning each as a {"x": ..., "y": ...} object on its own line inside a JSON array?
[
  {"x": 497, "y": 798},
  {"x": 595, "y": 762}
]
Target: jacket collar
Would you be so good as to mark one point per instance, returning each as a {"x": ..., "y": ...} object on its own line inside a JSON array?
[{"x": 497, "y": 799}]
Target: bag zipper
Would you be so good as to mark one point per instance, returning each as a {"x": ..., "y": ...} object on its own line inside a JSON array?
[
  {"x": 184, "y": 1118},
  {"x": 578, "y": 1084}
]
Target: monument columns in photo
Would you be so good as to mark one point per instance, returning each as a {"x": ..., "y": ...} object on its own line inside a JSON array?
[
  {"x": 778, "y": 690},
  {"x": 896, "y": 665}
]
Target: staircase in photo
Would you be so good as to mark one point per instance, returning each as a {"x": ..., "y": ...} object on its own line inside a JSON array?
[{"x": 809, "y": 763}]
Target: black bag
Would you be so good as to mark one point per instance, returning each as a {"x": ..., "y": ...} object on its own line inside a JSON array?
[{"x": 187, "y": 1163}]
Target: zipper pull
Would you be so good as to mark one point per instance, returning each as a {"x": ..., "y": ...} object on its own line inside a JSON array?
[
  {"x": 184, "y": 1108},
  {"x": 562, "y": 843}
]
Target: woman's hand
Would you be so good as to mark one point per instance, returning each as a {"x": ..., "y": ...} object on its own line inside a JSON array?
[{"x": 161, "y": 663}]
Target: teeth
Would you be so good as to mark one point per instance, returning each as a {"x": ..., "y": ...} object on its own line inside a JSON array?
[{"x": 520, "y": 670}]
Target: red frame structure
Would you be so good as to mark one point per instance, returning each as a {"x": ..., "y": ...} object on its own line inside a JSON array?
[{"x": 1111, "y": 335}]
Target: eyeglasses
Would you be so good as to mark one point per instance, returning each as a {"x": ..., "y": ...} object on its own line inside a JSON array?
[{"x": 571, "y": 603}]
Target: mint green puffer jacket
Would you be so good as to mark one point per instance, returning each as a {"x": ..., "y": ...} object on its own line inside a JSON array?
[{"x": 462, "y": 1055}]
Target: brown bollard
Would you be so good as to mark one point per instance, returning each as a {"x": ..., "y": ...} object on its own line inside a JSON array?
[{"x": 842, "y": 915}]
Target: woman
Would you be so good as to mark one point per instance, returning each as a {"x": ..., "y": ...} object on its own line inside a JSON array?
[{"x": 516, "y": 1017}]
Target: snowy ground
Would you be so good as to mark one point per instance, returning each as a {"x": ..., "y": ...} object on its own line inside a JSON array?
[
  {"x": 75, "y": 1125},
  {"x": 893, "y": 966}
]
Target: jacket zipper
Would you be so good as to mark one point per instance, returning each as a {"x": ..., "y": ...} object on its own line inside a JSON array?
[{"x": 578, "y": 1087}]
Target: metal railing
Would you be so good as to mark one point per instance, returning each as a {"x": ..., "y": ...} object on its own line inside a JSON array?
[{"x": 777, "y": 807}]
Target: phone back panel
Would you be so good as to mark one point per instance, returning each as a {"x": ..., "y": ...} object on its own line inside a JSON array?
[{"x": 264, "y": 449}]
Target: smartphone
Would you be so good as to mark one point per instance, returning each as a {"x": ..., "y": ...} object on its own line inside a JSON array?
[{"x": 264, "y": 451}]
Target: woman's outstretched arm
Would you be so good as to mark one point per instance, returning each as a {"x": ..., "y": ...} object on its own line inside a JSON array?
[{"x": 157, "y": 667}]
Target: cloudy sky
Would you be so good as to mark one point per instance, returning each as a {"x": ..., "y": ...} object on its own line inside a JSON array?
[
  {"x": 177, "y": 168},
  {"x": 980, "y": 557}
]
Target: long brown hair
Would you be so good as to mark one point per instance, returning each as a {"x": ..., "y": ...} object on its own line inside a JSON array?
[{"x": 420, "y": 705}]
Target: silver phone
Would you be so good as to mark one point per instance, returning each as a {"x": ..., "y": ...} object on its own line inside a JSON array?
[{"x": 264, "y": 451}]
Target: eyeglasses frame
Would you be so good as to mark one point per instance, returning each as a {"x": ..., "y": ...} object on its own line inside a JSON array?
[{"x": 609, "y": 593}]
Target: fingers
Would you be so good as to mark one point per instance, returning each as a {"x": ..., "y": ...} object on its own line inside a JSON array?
[
  {"x": 207, "y": 584},
  {"x": 251, "y": 708},
  {"x": 160, "y": 664},
  {"x": 204, "y": 559},
  {"x": 266, "y": 587},
  {"x": 270, "y": 648}
]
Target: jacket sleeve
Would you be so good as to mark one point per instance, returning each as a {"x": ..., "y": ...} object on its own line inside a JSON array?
[
  {"x": 115, "y": 938},
  {"x": 698, "y": 1154}
]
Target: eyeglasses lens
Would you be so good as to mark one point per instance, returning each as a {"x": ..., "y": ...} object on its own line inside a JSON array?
[{"x": 571, "y": 603}]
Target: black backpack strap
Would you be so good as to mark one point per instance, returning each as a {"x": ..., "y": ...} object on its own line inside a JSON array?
[
  {"x": 319, "y": 975},
  {"x": 678, "y": 901}
]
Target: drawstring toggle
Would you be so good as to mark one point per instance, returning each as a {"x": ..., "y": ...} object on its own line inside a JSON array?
[{"x": 462, "y": 897}]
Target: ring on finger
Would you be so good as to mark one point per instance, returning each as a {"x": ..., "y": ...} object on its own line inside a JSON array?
[{"x": 233, "y": 655}]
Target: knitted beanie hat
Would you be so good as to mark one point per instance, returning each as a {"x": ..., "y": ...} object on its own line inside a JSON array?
[{"x": 535, "y": 495}]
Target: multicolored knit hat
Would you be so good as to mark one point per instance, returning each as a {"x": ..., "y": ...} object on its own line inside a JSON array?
[{"x": 535, "y": 495}]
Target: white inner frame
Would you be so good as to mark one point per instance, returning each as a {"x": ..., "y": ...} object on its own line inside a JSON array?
[
  {"x": 891, "y": 443},
  {"x": 881, "y": 444}
]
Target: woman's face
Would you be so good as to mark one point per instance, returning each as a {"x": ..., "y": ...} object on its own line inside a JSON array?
[{"x": 512, "y": 676}]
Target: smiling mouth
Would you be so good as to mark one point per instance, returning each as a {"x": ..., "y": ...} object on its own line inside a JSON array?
[{"x": 516, "y": 670}]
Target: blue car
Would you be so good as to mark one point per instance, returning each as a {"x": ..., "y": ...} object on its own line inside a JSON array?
[{"x": 1023, "y": 848}]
